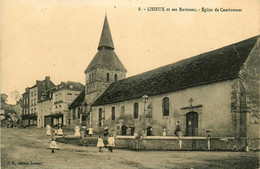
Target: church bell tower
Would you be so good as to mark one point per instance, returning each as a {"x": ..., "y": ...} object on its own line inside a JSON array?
[{"x": 104, "y": 69}]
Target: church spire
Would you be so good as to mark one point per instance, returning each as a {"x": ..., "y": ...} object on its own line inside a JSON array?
[{"x": 106, "y": 38}]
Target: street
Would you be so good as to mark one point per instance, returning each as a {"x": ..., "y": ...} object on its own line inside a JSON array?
[{"x": 28, "y": 148}]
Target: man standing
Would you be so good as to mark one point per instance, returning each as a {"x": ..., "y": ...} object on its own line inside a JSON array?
[
  {"x": 149, "y": 130},
  {"x": 106, "y": 132},
  {"x": 123, "y": 129},
  {"x": 132, "y": 129},
  {"x": 178, "y": 129}
]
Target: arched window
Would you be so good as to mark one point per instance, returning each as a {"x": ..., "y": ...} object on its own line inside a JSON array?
[
  {"x": 107, "y": 77},
  {"x": 136, "y": 110},
  {"x": 113, "y": 113},
  {"x": 115, "y": 77},
  {"x": 88, "y": 89},
  {"x": 100, "y": 116},
  {"x": 165, "y": 106}
]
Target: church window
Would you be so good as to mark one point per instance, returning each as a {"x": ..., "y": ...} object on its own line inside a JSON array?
[
  {"x": 165, "y": 106},
  {"x": 107, "y": 77},
  {"x": 90, "y": 78},
  {"x": 113, "y": 112},
  {"x": 136, "y": 110},
  {"x": 88, "y": 89},
  {"x": 100, "y": 116},
  {"x": 115, "y": 77}
]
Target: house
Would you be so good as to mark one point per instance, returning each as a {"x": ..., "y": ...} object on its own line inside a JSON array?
[
  {"x": 30, "y": 99},
  {"x": 45, "y": 106},
  {"x": 63, "y": 95}
]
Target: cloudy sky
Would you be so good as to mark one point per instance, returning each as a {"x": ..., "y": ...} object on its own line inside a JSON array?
[{"x": 58, "y": 38}]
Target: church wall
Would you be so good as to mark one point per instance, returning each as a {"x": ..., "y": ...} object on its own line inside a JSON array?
[
  {"x": 214, "y": 115},
  {"x": 251, "y": 82}
]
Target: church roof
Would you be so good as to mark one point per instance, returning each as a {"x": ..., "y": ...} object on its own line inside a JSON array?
[
  {"x": 105, "y": 38},
  {"x": 106, "y": 56},
  {"x": 218, "y": 65},
  {"x": 78, "y": 100}
]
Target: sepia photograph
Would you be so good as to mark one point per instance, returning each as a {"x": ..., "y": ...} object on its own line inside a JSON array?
[{"x": 130, "y": 84}]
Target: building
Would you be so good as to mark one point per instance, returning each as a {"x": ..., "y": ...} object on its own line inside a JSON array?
[
  {"x": 30, "y": 99},
  {"x": 45, "y": 106},
  {"x": 215, "y": 92},
  {"x": 25, "y": 107},
  {"x": 63, "y": 95}
]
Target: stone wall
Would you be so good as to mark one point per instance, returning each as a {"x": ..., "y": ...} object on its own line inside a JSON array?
[{"x": 165, "y": 143}]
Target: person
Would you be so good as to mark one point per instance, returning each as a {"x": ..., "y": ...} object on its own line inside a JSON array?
[
  {"x": 137, "y": 141},
  {"x": 178, "y": 129},
  {"x": 100, "y": 143},
  {"x": 77, "y": 130},
  {"x": 48, "y": 132},
  {"x": 90, "y": 131},
  {"x": 87, "y": 131},
  {"x": 111, "y": 143},
  {"x": 149, "y": 130},
  {"x": 132, "y": 130},
  {"x": 59, "y": 132},
  {"x": 164, "y": 131},
  {"x": 53, "y": 145},
  {"x": 123, "y": 128},
  {"x": 82, "y": 132},
  {"x": 106, "y": 132}
]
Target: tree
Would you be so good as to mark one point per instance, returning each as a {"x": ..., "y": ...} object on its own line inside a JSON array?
[{"x": 4, "y": 98}]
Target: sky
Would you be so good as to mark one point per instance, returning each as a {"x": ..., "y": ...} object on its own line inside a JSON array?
[{"x": 59, "y": 38}]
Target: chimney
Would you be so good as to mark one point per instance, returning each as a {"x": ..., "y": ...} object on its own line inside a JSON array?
[
  {"x": 27, "y": 89},
  {"x": 47, "y": 82}
]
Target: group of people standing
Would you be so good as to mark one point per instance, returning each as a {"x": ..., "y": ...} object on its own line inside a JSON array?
[{"x": 83, "y": 132}]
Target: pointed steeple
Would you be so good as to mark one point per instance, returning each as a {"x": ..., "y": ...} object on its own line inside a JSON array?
[{"x": 106, "y": 38}]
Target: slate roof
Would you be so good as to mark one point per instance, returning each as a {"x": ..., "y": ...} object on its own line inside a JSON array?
[
  {"x": 76, "y": 86},
  {"x": 106, "y": 38},
  {"x": 78, "y": 100},
  {"x": 218, "y": 65},
  {"x": 106, "y": 58},
  {"x": 106, "y": 55}
]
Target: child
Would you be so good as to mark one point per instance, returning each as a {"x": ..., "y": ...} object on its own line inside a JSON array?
[
  {"x": 164, "y": 131},
  {"x": 100, "y": 143},
  {"x": 111, "y": 143},
  {"x": 90, "y": 131},
  {"x": 53, "y": 145}
]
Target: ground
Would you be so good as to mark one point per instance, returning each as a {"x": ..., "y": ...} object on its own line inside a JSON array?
[{"x": 28, "y": 148}]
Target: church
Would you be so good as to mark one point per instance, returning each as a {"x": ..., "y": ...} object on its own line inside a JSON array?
[{"x": 215, "y": 93}]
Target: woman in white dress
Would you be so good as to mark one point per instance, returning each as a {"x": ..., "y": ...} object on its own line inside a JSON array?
[
  {"x": 77, "y": 131},
  {"x": 48, "y": 132}
]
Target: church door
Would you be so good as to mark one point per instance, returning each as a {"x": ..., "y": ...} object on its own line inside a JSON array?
[{"x": 192, "y": 124}]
